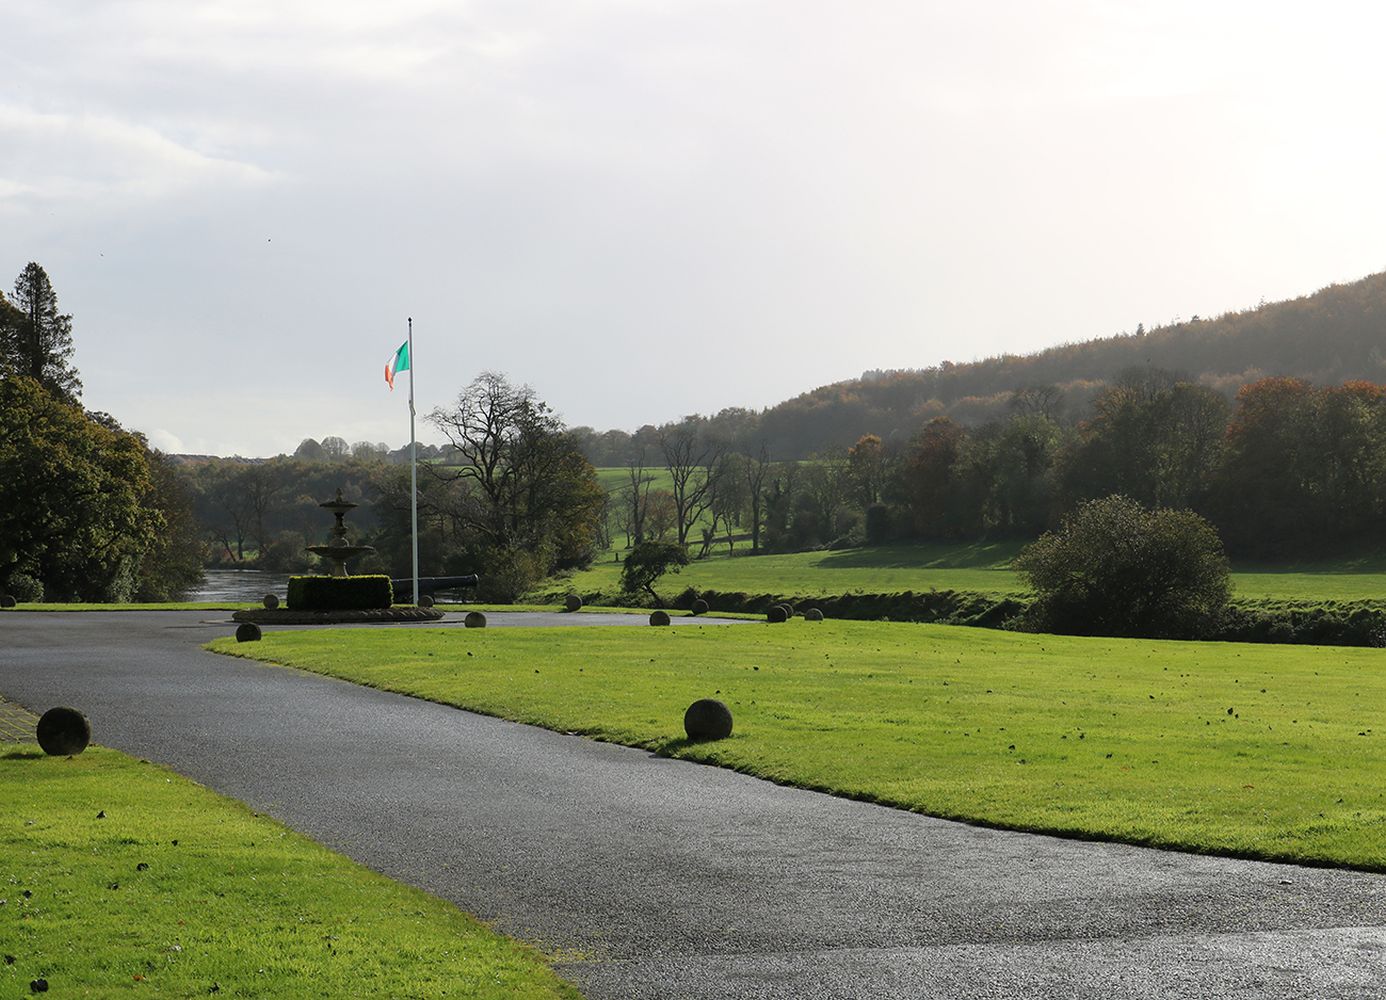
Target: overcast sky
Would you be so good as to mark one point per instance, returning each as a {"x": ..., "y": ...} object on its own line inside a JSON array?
[{"x": 647, "y": 208}]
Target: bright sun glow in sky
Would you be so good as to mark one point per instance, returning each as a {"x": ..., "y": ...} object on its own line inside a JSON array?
[{"x": 647, "y": 208}]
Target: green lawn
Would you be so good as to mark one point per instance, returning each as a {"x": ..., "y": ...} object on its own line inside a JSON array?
[
  {"x": 178, "y": 892},
  {"x": 979, "y": 567},
  {"x": 983, "y": 568},
  {"x": 1258, "y": 751}
]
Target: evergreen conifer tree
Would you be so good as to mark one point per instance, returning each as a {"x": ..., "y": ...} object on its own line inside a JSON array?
[{"x": 35, "y": 338}]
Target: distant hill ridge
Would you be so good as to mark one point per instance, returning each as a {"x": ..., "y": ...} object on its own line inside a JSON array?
[{"x": 1334, "y": 335}]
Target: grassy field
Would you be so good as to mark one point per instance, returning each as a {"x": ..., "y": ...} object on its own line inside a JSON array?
[
  {"x": 121, "y": 878},
  {"x": 1257, "y": 751},
  {"x": 982, "y": 567}
]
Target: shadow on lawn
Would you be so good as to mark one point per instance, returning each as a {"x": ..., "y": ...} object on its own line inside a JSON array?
[
  {"x": 979, "y": 555},
  {"x": 24, "y": 755}
]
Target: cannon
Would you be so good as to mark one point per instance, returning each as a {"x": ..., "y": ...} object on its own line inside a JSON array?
[{"x": 431, "y": 584}]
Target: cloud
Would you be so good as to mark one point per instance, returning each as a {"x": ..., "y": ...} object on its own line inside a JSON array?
[
  {"x": 50, "y": 156},
  {"x": 166, "y": 441}
]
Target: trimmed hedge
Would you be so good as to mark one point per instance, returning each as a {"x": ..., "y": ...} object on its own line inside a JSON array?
[
  {"x": 1323, "y": 623},
  {"x": 339, "y": 593}
]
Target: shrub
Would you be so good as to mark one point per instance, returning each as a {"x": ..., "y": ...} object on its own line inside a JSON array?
[
  {"x": 877, "y": 524},
  {"x": 339, "y": 593},
  {"x": 508, "y": 573},
  {"x": 1114, "y": 567},
  {"x": 24, "y": 588},
  {"x": 647, "y": 562}
]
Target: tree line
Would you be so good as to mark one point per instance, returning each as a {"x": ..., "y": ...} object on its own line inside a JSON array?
[{"x": 1285, "y": 469}]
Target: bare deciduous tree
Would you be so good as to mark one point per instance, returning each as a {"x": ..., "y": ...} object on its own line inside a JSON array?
[{"x": 694, "y": 463}]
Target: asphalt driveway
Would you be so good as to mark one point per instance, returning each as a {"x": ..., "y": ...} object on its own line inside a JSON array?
[{"x": 661, "y": 878}]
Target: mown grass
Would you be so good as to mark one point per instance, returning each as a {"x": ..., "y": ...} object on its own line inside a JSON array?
[
  {"x": 1256, "y": 751},
  {"x": 119, "y": 878},
  {"x": 983, "y": 568},
  {"x": 978, "y": 567}
]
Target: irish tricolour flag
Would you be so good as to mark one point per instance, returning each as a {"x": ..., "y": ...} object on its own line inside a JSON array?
[{"x": 399, "y": 363}]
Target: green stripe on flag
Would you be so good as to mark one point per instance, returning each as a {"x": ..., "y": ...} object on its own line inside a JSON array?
[{"x": 401, "y": 362}]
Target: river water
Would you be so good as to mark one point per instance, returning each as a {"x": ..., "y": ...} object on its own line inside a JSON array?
[{"x": 239, "y": 585}]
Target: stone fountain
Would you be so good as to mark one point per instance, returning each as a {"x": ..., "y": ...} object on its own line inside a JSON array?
[
  {"x": 339, "y": 550},
  {"x": 336, "y": 553}
]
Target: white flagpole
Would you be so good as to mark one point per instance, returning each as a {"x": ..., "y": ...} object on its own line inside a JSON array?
[{"x": 413, "y": 469}]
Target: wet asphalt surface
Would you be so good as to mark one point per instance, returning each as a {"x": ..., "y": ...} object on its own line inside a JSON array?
[{"x": 656, "y": 878}]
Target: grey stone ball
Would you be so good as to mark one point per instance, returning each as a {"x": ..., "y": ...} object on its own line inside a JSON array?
[
  {"x": 707, "y": 719},
  {"x": 700, "y": 607},
  {"x": 270, "y": 602},
  {"x": 813, "y": 615},
  {"x": 426, "y": 601},
  {"x": 659, "y": 618},
  {"x": 788, "y": 610},
  {"x": 63, "y": 732},
  {"x": 248, "y": 632},
  {"x": 7, "y": 601},
  {"x": 474, "y": 619},
  {"x": 776, "y": 613},
  {"x": 572, "y": 603}
]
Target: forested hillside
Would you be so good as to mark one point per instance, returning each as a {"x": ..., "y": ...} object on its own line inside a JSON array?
[{"x": 1335, "y": 335}]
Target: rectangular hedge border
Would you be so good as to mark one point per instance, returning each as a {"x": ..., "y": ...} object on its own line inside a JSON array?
[
  {"x": 1321, "y": 623},
  {"x": 339, "y": 593}
]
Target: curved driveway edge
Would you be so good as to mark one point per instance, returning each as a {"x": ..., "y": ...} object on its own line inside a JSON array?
[{"x": 658, "y": 878}]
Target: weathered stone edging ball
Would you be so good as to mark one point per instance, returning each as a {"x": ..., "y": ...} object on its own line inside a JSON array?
[
  {"x": 63, "y": 731},
  {"x": 659, "y": 618},
  {"x": 813, "y": 615},
  {"x": 270, "y": 602},
  {"x": 700, "y": 607},
  {"x": 426, "y": 601},
  {"x": 474, "y": 619},
  {"x": 248, "y": 632},
  {"x": 7, "y": 601},
  {"x": 776, "y": 614},
  {"x": 572, "y": 603},
  {"x": 707, "y": 719}
]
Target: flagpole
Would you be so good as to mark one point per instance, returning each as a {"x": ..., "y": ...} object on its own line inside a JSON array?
[{"x": 413, "y": 469}]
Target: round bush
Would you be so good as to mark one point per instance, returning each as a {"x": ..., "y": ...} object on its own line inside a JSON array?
[
  {"x": 474, "y": 619},
  {"x": 7, "y": 601},
  {"x": 1114, "y": 567},
  {"x": 426, "y": 601},
  {"x": 248, "y": 632},
  {"x": 572, "y": 603},
  {"x": 24, "y": 588},
  {"x": 270, "y": 602},
  {"x": 813, "y": 615},
  {"x": 659, "y": 618},
  {"x": 707, "y": 719},
  {"x": 63, "y": 731},
  {"x": 700, "y": 607},
  {"x": 776, "y": 614}
]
